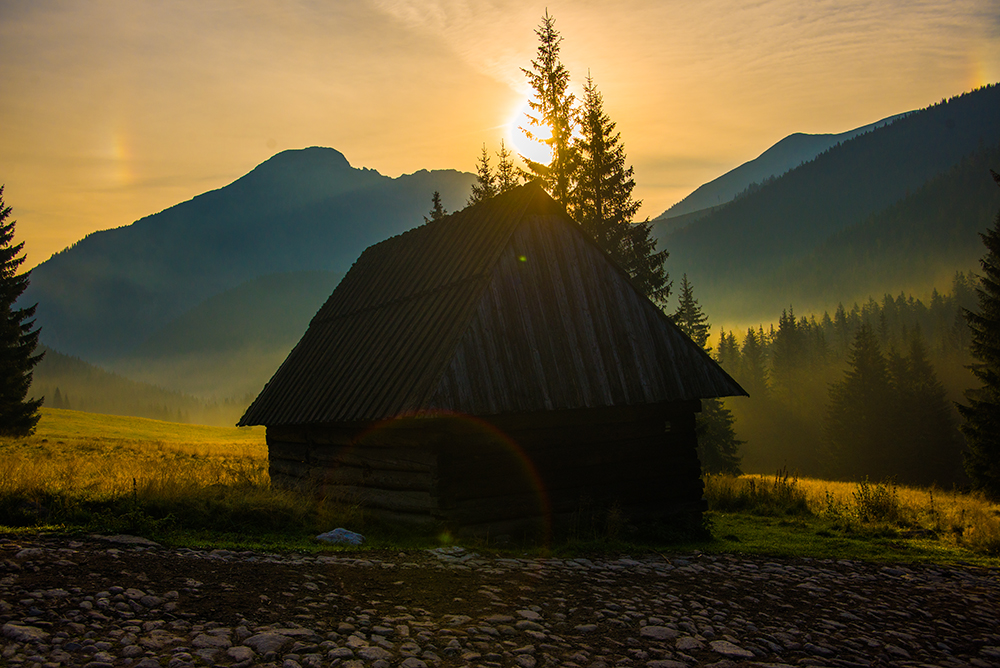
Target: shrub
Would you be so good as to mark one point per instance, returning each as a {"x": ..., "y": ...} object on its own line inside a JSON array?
[
  {"x": 876, "y": 503},
  {"x": 758, "y": 495}
]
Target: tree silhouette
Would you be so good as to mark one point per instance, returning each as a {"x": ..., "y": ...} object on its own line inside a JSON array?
[
  {"x": 485, "y": 186},
  {"x": 927, "y": 443},
  {"x": 752, "y": 374},
  {"x": 437, "y": 210},
  {"x": 646, "y": 264},
  {"x": 689, "y": 316},
  {"x": 718, "y": 447},
  {"x": 489, "y": 183},
  {"x": 602, "y": 199},
  {"x": 982, "y": 414},
  {"x": 553, "y": 109},
  {"x": 860, "y": 423},
  {"x": 18, "y": 415},
  {"x": 507, "y": 175}
]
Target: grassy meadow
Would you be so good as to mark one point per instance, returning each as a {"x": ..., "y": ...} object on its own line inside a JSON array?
[
  {"x": 198, "y": 485},
  {"x": 190, "y": 483}
]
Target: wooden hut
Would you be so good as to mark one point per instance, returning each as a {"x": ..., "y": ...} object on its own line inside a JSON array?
[{"x": 490, "y": 371}]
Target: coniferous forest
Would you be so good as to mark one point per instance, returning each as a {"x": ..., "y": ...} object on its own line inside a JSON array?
[{"x": 867, "y": 391}]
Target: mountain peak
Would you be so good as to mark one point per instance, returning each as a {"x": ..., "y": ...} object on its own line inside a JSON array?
[{"x": 313, "y": 157}]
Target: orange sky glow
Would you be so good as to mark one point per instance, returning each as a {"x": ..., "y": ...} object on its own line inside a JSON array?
[{"x": 112, "y": 110}]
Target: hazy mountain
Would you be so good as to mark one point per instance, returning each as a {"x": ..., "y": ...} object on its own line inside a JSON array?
[
  {"x": 787, "y": 154},
  {"x": 85, "y": 387},
  {"x": 914, "y": 245},
  {"x": 233, "y": 342},
  {"x": 302, "y": 210},
  {"x": 732, "y": 252}
]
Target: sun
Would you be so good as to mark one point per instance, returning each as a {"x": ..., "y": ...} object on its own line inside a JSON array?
[{"x": 519, "y": 142}]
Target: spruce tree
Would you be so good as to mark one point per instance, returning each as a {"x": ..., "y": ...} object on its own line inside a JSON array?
[
  {"x": 927, "y": 442},
  {"x": 860, "y": 419},
  {"x": 602, "y": 200},
  {"x": 18, "y": 415},
  {"x": 485, "y": 186},
  {"x": 718, "y": 447},
  {"x": 437, "y": 210},
  {"x": 982, "y": 414},
  {"x": 788, "y": 354},
  {"x": 552, "y": 108},
  {"x": 729, "y": 352},
  {"x": 689, "y": 317},
  {"x": 507, "y": 174},
  {"x": 646, "y": 264},
  {"x": 753, "y": 367}
]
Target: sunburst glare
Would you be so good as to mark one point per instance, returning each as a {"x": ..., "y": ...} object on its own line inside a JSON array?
[{"x": 523, "y": 146}]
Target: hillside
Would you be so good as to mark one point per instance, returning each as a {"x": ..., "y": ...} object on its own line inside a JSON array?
[
  {"x": 913, "y": 245},
  {"x": 787, "y": 154},
  {"x": 731, "y": 253},
  {"x": 302, "y": 210},
  {"x": 231, "y": 344},
  {"x": 85, "y": 387}
]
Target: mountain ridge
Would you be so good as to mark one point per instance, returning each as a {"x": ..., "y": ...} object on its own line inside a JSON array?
[
  {"x": 727, "y": 252},
  {"x": 788, "y": 153},
  {"x": 305, "y": 209}
]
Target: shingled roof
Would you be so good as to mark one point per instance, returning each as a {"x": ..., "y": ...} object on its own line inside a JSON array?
[{"x": 504, "y": 307}]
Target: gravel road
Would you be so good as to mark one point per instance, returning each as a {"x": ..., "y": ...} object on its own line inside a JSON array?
[{"x": 122, "y": 601}]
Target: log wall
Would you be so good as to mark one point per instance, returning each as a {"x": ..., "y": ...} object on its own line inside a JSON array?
[{"x": 506, "y": 475}]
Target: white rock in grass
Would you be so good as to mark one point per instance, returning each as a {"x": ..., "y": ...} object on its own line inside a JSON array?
[{"x": 341, "y": 537}]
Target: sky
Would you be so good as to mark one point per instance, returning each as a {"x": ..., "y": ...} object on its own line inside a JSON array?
[{"x": 111, "y": 110}]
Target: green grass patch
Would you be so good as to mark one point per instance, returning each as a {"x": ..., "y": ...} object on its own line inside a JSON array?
[{"x": 818, "y": 537}]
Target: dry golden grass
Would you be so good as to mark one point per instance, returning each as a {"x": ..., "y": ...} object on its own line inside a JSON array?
[
  {"x": 112, "y": 473},
  {"x": 966, "y": 520},
  {"x": 89, "y": 453}
]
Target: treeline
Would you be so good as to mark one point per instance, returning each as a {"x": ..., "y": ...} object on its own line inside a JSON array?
[
  {"x": 70, "y": 383},
  {"x": 812, "y": 405}
]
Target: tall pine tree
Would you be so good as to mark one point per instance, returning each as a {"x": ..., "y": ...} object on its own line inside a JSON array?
[
  {"x": 553, "y": 113},
  {"x": 927, "y": 442},
  {"x": 753, "y": 364},
  {"x": 982, "y": 414},
  {"x": 602, "y": 199},
  {"x": 18, "y": 415},
  {"x": 718, "y": 447},
  {"x": 689, "y": 317},
  {"x": 860, "y": 420}
]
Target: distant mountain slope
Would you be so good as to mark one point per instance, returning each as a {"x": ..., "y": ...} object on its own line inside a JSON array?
[
  {"x": 233, "y": 342},
  {"x": 914, "y": 245},
  {"x": 729, "y": 252},
  {"x": 85, "y": 387},
  {"x": 787, "y": 154},
  {"x": 301, "y": 210}
]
